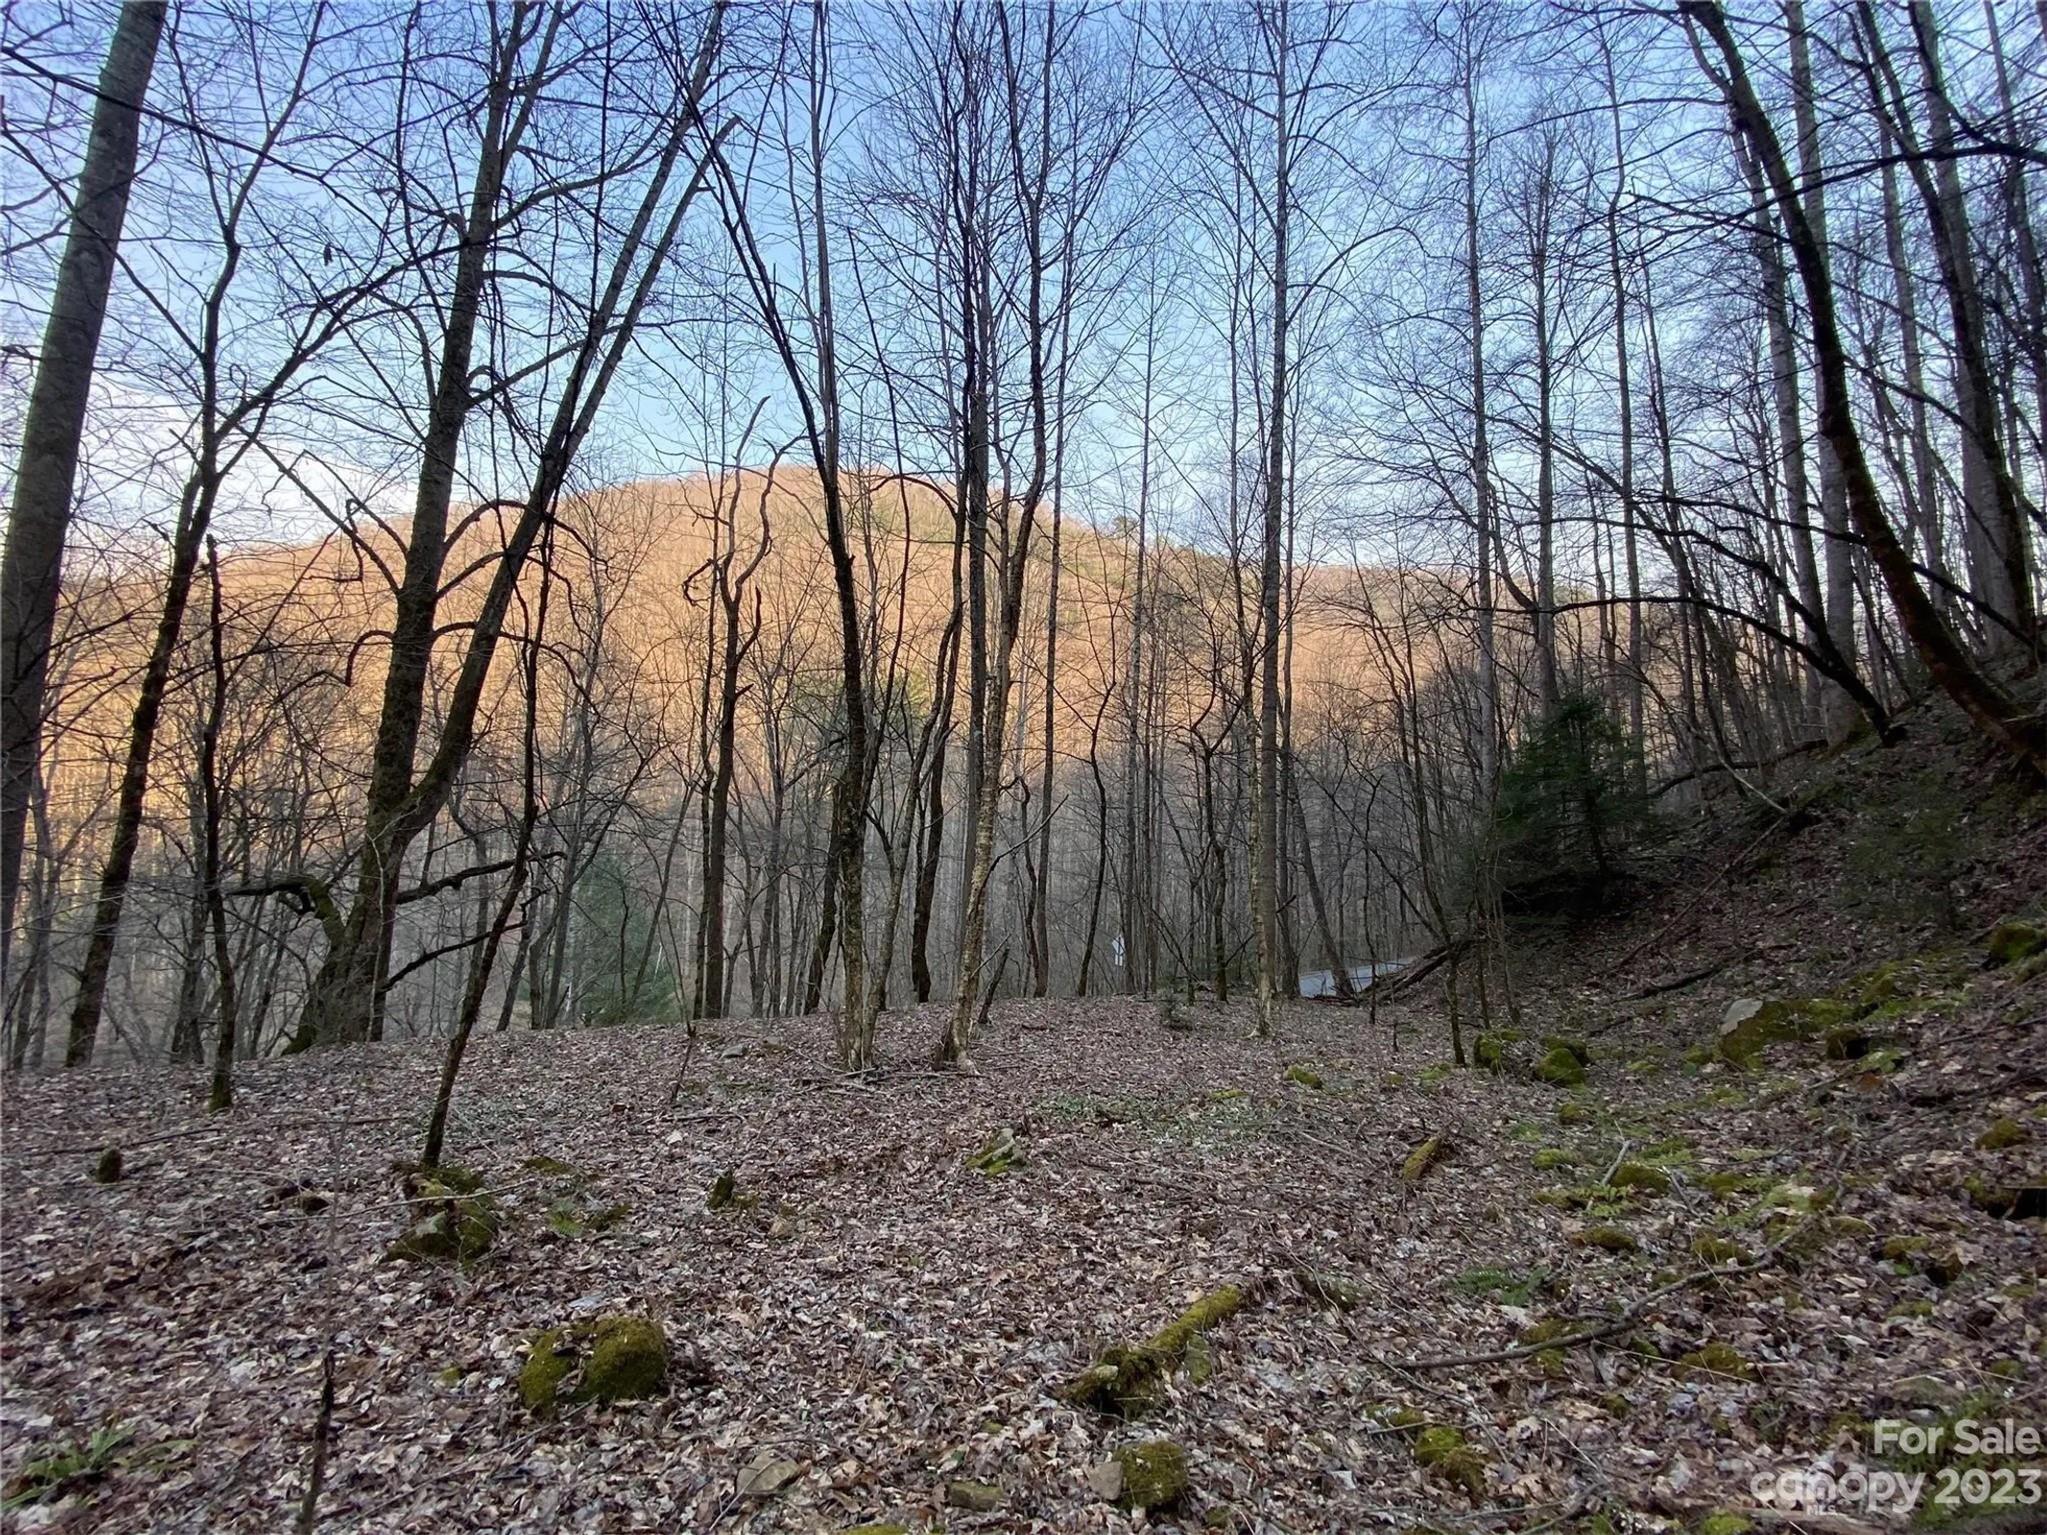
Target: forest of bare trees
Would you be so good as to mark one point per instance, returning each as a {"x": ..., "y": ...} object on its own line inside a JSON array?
[{"x": 533, "y": 517}]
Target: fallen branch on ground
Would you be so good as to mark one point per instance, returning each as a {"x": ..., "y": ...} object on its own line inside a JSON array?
[{"x": 1621, "y": 1320}]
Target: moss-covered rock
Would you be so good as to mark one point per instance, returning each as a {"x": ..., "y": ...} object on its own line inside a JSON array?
[
  {"x": 448, "y": 1225},
  {"x": 2001, "y": 1135},
  {"x": 1128, "y": 1380},
  {"x": 1443, "y": 1454},
  {"x": 1493, "y": 1050},
  {"x": 449, "y": 1175},
  {"x": 550, "y": 1361},
  {"x": 618, "y": 1358},
  {"x": 2013, "y": 941},
  {"x": 1550, "y": 1158},
  {"x": 1002, "y": 1153},
  {"x": 1751, "y": 1026},
  {"x": 628, "y": 1360},
  {"x": 2007, "y": 1201},
  {"x": 1571, "y": 1045},
  {"x": 1611, "y": 1239},
  {"x": 1573, "y": 1112},
  {"x": 1559, "y": 1067},
  {"x": 1304, "y": 1076},
  {"x": 108, "y": 1168},
  {"x": 1153, "y": 1475},
  {"x": 1640, "y": 1176}
]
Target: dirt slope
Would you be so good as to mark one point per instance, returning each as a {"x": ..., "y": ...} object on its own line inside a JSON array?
[{"x": 874, "y": 1320}]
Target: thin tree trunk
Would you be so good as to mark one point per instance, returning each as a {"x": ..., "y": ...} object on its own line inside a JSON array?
[
  {"x": 220, "y": 1093},
  {"x": 1265, "y": 831},
  {"x": 1837, "y": 708}
]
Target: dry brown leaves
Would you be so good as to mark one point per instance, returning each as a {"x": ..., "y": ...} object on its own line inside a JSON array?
[{"x": 886, "y": 1319}]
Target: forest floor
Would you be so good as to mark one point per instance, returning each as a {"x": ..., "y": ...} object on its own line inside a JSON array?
[{"x": 873, "y": 1323}]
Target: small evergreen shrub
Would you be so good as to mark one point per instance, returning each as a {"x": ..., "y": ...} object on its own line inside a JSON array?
[{"x": 1571, "y": 810}]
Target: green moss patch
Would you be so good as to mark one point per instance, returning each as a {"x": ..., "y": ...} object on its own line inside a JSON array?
[
  {"x": 1610, "y": 1239},
  {"x": 1640, "y": 1176},
  {"x": 975, "y": 1497},
  {"x": 1731, "y": 1186},
  {"x": 1153, "y": 1475},
  {"x": 1511, "y": 1287},
  {"x": 550, "y": 1360},
  {"x": 1751, "y": 1026},
  {"x": 1718, "y": 1250},
  {"x": 1717, "y": 1359},
  {"x": 1560, "y": 1067},
  {"x": 2001, "y": 1135},
  {"x": 2007, "y": 1201},
  {"x": 1494, "y": 1049},
  {"x": 2013, "y": 941},
  {"x": 1443, "y": 1454}
]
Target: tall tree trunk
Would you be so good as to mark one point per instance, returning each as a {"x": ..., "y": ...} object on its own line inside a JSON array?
[
  {"x": 39, "y": 516},
  {"x": 1837, "y": 708},
  {"x": 925, "y": 900},
  {"x": 1135, "y": 693},
  {"x": 1923, "y": 486},
  {"x": 1265, "y": 830},
  {"x": 1547, "y": 669},
  {"x": 1784, "y": 373},
  {"x": 220, "y": 1091}
]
